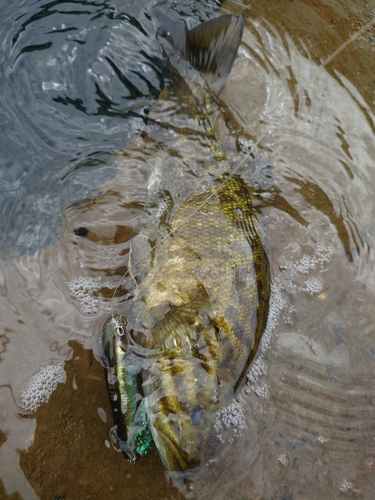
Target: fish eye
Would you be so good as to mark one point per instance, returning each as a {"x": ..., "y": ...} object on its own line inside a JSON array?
[
  {"x": 120, "y": 330},
  {"x": 197, "y": 416}
]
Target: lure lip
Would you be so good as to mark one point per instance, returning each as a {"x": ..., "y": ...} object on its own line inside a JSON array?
[{"x": 118, "y": 320}]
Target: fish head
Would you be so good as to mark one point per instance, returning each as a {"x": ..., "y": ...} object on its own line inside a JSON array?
[
  {"x": 181, "y": 406},
  {"x": 185, "y": 440}
]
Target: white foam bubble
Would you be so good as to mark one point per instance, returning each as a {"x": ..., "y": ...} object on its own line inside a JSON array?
[
  {"x": 312, "y": 286},
  {"x": 83, "y": 289},
  {"x": 276, "y": 305},
  {"x": 346, "y": 486},
  {"x": 41, "y": 385},
  {"x": 313, "y": 263},
  {"x": 262, "y": 391},
  {"x": 232, "y": 419},
  {"x": 283, "y": 459},
  {"x": 102, "y": 414},
  {"x": 257, "y": 369}
]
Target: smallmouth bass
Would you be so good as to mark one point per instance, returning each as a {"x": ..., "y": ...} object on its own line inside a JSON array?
[{"x": 201, "y": 299}]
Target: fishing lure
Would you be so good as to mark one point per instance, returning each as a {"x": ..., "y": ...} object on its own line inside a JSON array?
[{"x": 127, "y": 403}]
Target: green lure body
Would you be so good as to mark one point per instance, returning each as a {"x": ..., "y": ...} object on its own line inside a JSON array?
[{"x": 128, "y": 411}]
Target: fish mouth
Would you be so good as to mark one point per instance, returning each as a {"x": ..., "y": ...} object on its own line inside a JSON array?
[
  {"x": 173, "y": 456},
  {"x": 184, "y": 440}
]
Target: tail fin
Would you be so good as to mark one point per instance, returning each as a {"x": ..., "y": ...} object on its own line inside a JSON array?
[{"x": 210, "y": 47}]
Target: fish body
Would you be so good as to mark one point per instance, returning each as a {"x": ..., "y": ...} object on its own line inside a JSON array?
[
  {"x": 207, "y": 294},
  {"x": 122, "y": 374}
]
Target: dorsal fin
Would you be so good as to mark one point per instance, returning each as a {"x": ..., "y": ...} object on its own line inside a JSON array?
[{"x": 210, "y": 47}]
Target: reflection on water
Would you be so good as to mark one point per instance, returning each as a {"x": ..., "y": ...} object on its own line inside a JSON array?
[{"x": 71, "y": 72}]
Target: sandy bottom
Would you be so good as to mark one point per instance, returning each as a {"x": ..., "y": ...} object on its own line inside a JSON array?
[{"x": 80, "y": 466}]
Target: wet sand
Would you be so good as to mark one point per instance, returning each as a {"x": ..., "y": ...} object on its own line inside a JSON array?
[
  {"x": 77, "y": 465},
  {"x": 323, "y": 27}
]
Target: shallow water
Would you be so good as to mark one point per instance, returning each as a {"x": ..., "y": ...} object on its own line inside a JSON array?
[{"x": 309, "y": 405}]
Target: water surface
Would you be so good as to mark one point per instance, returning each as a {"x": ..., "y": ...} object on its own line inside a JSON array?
[{"x": 78, "y": 80}]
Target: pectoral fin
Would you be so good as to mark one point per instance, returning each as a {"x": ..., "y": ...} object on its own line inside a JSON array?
[{"x": 176, "y": 329}]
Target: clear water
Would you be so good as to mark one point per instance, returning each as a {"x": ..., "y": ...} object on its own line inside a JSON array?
[{"x": 76, "y": 80}]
